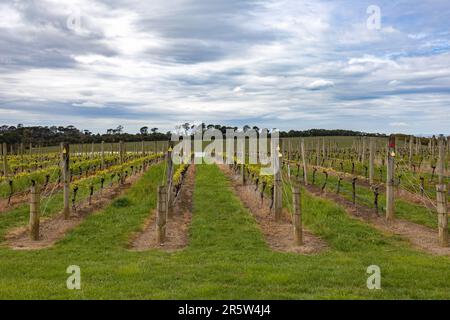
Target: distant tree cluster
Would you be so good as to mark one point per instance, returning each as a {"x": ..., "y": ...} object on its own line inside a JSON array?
[
  {"x": 47, "y": 136},
  {"x": 324, "y": 132},
  {"x": 190, "y": 128}
]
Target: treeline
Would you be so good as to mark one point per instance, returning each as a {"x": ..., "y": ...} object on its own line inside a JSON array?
[
  {"x": 325, "y": 132},
  {"x": 49, "y": 136}
]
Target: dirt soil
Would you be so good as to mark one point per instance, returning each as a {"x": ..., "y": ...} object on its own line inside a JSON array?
[
  {"x": 55, "y": 228},
  {"x": 421, "y": 237},
  {"x": 177, "y": 226},
  {"x": 278, "y": 235},
  {"x": 20, "y": 198}
]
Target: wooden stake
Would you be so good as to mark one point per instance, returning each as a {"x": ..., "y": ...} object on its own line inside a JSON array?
[
  {"x": 324, "y": 156},
  {"x": 34, "y": 212},
  {"x": 318, "y": 153},
  {"x": 410, "y": 150},
  {"x": 441, "y": 195},
  {"x": 65, "y": 173},
  {"x": 363, "y": 155},
  {"x": 161, "y": 215},
  {"x": 121, "y": 152},
  {"x": 390, "y": 179},
  {"x": 21, "y": 156},
  {"x": 278, "y": 188},
  {"x": 305, "y": 175},
  {"x": 441, "y": 160},
  {"x": 371, "y": 159},
  {"x": 102, "y": 154},
  {"x": 298, "y": 231},
  {"x": 169, "y": 181},
  {"x": 5, "y": 159}
]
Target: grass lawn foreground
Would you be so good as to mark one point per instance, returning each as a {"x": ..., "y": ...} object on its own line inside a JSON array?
[{"x": 227, "y": 257}]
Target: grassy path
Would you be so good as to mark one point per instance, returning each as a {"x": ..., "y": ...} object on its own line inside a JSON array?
[
  {"x": 403, "y": 209},
  {"x": 226, "y": 258}
]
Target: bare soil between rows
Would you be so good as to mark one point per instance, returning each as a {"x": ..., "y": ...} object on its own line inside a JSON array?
[
  {"x": 278, "y": 235},
  {"x": 420, "y": 237},
  {"x": 55, "y": 228},
  {"x": 21, "y": 198},
  {"x": 177, "y": 226}
]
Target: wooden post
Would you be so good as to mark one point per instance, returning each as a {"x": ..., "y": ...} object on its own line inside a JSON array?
[
  {"x": 298, "y": 232},
  {"x": 371, "y": 159},
  {"x": 102, "y": 154},
  {"x": 418, "y": 143},
  {"x": 305, "y": 175},
  {"x": 161, "y": 215},
  {"x": 324, "y": 156},
  {"x": 5, "y": 159},
  {"x": 441, "y": 196},
  {"x": 318, "y": 153},
  {"x": 363, "y": 154},
  {"x": 278, "y": 188},
  {"x": 441, "y": 162},
  {"x": 92, "y": 150},
  {"x": 169, "y": 182},
  {"x": 121, "y": 152},
  {"x": 65, "y": 173},
  {"x": 390, "y": 179},
  {"x": 21, "y": 156},
  {"x": 34, "y": 212},
  {"x": 142, "y": 148},
  {"x": 410, "y": 150}
]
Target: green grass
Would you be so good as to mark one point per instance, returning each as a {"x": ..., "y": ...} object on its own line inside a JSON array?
[
  {"x": 227, "y": 257},
  {"x": 403, "y": 209}
]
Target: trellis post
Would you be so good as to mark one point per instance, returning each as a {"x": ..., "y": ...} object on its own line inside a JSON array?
[
  {"x": 5, "y": 159},
  {"x": 390, "y": 179},
  {"x": 34, "y": 211},
  {"x": 363, "y": 151},
  {"x": 169, "y": 181},
  {"x": 65, "y": 173},
  {"x": 102, "y": 154},
  {"x": 298, "y": 232},
  {"x": 161, "y": 215},
  {"x": 410, "y": 150},
  {"x": 371, "y": 159},
  {"x": 278, "y": 184},
  {"x": 441, "y": 195},
  {"x": 305, "y": 175},
  {"x": 121, "y": 152}
]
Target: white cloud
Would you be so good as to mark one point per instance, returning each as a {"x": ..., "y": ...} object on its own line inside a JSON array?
[
  {"x": 398, "y": 124},
  {"x": 320, "y": 84},
  {"x": 233, "y": 60}
]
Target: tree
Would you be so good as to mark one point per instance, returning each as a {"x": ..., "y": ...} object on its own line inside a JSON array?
[
  {"x": 186, "y": 126},
  {"x": 144, "y": 131},
  {"x": 154, "y": 130},
  {"x": 119, "y": 129}
]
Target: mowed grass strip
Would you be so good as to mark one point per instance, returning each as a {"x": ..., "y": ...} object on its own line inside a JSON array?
[{"x": 226, "y": 258}]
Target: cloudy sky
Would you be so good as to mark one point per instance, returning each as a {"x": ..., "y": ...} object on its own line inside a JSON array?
[{"x": 285, "y": 64}]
